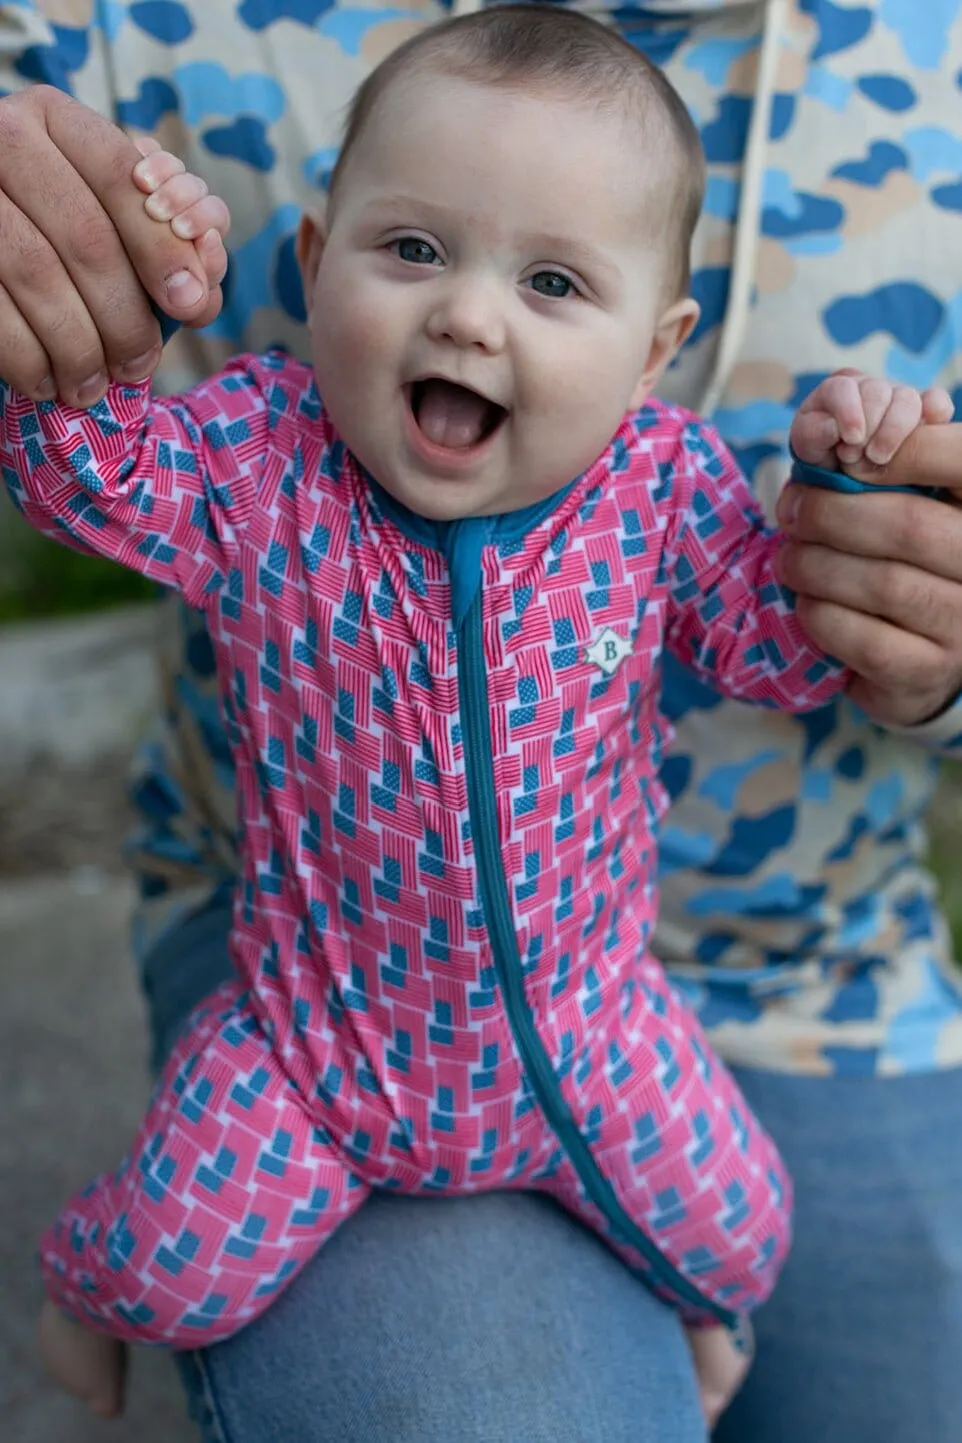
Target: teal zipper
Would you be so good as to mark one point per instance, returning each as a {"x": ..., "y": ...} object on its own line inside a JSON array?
[{"x": 496, "y": 904}]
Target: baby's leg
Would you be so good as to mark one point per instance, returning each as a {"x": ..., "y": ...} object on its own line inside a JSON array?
[
  {"x": 88, "y": 1365},
  {"x": 682, "y": 1180},
  {"x": 228, "y": 1191},
  {"x": 722, "y": 1360}
]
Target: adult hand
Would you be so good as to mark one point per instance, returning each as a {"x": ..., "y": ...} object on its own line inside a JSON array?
[
  {"x": 879, "y": 578},
  {"x": 81, "y": 256}
]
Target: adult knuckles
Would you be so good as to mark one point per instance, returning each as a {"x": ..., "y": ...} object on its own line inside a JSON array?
[
  {"x": 817, "y": 519},
  {"x": 873, "y": 657},
  {"x": 867, "y": 647},
  {"x": 28, "y": 256},
  {"x": 910, "y": 666},
  {"x": 925, "y": 532},
  {"x": 91, "y": 240},
  {"x": 21, "y": 108},
  {"x": 905, "y": 592},
  {"x": 24, "y": 112}
]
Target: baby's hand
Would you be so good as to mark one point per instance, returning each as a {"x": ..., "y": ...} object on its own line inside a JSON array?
[
  {"x": 182, "y": 199},
  {"x": 856, "y": 423},
  {"x": 89, "y": 1365},
  {"x": 722, "y": 1361}
]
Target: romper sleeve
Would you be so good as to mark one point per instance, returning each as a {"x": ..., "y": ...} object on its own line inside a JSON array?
[
  {"x": 730, "y": 618},
  {"x": 165, "y": 487}
]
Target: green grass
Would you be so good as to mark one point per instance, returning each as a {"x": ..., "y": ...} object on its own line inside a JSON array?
[
  {"x": 950, "y": 883},
  {"x": 40, "y": 578},
  {"x": 946, "y": 852}
]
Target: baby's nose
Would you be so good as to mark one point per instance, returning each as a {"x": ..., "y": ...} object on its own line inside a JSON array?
[{"x": 470, "y": 313}]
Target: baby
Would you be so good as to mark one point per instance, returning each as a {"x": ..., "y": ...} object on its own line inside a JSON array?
[{"x": 440, "y": 568}]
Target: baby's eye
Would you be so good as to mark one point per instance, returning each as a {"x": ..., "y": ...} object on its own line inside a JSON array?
[
  {"x": 416, "y": 251},
  {"x": 553, "y": 284}
]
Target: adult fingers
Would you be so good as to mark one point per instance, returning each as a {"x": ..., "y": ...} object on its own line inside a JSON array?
[
  {"x": 930, "y": 456},
  {"x": 912, "y": 599},
  {"x": 902, "y": 678},
  {"x": 75, "y": 239},
  {"x": 34, "y": 377},
  {"x": 166, "y": 265},
  {"x": 67, "y": 354},
  {"x": 910, "y": 528}
]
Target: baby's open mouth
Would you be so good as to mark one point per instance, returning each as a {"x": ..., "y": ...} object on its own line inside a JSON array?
[{"x": 451, "y": 415}]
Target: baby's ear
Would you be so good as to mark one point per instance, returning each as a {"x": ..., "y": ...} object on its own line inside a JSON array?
[
  {"x": 309, "y": 247},
  {"x": 671, "y": 332}
]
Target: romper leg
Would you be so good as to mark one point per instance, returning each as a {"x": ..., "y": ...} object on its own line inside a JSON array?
[{"x": 229, "y": 1189}]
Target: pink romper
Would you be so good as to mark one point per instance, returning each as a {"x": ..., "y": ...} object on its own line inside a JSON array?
[{"x": 447, "y": 741}]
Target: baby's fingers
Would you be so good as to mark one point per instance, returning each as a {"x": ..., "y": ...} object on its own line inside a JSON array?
[
  {"x": 841, "y": 396},
  {"x": 814, "y": 437},
  {"x": 157, "y": 167},
  {"x": 176, "y": 195},
  {"x": 937, "y": 406},
  {"x": 901, "y": 417},
  {"x": 213, "y": 256},
  {"x": 199, "y": 217}
]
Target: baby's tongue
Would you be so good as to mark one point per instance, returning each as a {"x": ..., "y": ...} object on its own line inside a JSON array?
[{"x": 451, "y": 416}]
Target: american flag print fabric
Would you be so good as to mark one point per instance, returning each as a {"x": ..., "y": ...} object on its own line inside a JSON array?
[{"x": 447, "y": 741}]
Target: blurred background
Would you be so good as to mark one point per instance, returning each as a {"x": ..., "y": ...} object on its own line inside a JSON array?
[{"x": 76, "y": 686}]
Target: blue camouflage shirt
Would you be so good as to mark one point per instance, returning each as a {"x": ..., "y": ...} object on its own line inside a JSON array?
[{"x": 796, "y": 910}]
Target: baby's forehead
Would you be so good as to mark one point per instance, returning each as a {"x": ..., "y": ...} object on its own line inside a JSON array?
[
  {"x": 617, "y": 116},
  {"x": 428, "y": 108},
  {"x": 418, "y": 86}
]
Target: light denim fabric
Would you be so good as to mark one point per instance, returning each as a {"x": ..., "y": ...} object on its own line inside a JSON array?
[{"x": 496, "y": 1319}]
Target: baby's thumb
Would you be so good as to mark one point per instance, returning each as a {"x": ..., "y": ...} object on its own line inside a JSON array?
[{"x": 814, "y": 438}]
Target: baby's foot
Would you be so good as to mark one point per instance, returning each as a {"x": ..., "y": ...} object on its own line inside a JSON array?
[
  {"x": 89, "y": 1365},
  {"x": 722, "y": 1360}
]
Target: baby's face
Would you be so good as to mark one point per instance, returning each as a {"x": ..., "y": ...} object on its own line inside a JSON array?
[{"x": 485, "y": 306}]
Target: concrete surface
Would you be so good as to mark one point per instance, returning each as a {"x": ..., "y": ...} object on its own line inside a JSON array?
[
  {"x": 71, "y": 1070},
  {"x": 75, "y": 691},
  {"x": 72, "y": 1055}
]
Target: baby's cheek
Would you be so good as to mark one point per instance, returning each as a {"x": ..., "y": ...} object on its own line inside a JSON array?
[{"x": 353, "y": 327}]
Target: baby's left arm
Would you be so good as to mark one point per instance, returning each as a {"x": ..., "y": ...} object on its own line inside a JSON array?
[
  {"x": 733, "y": 619},
  {"x": 729, "y": 617}
]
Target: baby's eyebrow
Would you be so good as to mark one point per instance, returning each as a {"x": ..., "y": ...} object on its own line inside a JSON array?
[
  {"x": 575, "y": 252},
  {"x": 402, "y": 205}
]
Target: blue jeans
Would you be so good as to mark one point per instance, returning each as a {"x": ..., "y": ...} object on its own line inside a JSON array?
[{"x": 495, "y": 1318}]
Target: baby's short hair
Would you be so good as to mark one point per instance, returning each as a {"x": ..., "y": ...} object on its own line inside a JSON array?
[{"x": 530, "y": 44}]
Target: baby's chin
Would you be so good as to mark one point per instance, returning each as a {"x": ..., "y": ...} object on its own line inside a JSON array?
[{"x": 456, "y": 499}]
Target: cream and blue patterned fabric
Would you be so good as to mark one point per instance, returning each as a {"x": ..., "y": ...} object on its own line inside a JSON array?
[{"x": 796, "y": 911}]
